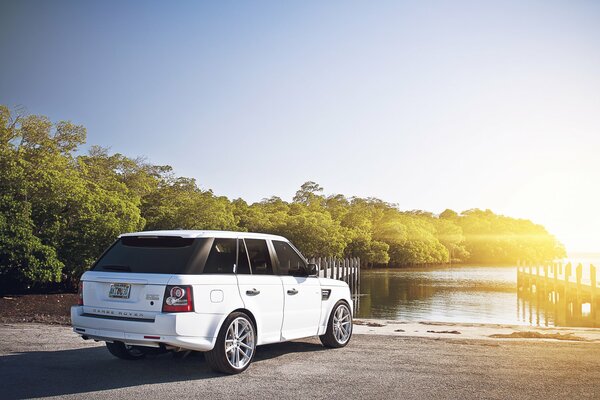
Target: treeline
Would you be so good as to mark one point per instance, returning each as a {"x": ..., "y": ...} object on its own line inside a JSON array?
[{"x": 59, "y": 210}]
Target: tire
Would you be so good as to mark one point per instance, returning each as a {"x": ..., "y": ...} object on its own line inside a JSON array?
[
  {"x": 339, "y": 326},
  {"x": 124, "y": 351},
  {"x": 235, "y": 346}
]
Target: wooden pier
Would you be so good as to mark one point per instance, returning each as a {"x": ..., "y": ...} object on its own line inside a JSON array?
[{"x": 559, "y": 294}]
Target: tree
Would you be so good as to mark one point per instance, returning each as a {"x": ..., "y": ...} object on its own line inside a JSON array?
[
  {"x": 308, "y": 194},
  {"x": 179, "y": 204},
  {"x": 24, "y": 260},
  {"x": 60, "y": 210}
]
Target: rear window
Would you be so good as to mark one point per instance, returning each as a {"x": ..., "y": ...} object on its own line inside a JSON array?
[{"x": 153, "y": 255}]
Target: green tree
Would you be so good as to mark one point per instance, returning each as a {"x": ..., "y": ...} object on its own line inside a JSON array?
[
  {"x": 59, "y": 210},
  {"x": 178, "y": 203},
  {"x": 24, "y": 260}
]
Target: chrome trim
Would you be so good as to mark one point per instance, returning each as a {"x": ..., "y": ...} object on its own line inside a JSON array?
[{"x": 103, "y": 316}]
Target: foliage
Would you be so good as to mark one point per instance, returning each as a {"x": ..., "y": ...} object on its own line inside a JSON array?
[{"x": 59, "y": 210}]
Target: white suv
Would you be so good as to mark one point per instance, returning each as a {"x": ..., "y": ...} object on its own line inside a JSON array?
[{"x": 222, "y": 293}]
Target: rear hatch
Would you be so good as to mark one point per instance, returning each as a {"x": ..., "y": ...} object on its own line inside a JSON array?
[{"x": 130, "y": 278}]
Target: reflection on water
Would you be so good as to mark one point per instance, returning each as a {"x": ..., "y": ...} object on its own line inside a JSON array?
[
  {"x": 549, "y": 296},
  {"x": 464, "y": 294}
]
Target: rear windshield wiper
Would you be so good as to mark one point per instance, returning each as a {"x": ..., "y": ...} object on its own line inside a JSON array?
[{"x": 116, "y": 268}]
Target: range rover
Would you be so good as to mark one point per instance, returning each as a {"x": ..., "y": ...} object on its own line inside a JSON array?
[{"x": 222, "y": 293}]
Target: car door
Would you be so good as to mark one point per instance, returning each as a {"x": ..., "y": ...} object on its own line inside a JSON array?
[
  {"x": 302, "y": 294},
  {"x": 261, "y": 290}
]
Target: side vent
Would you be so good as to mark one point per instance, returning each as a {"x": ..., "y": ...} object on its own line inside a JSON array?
[{"x": 325, "y": 293}]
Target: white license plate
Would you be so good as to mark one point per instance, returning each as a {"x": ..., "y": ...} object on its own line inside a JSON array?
[{"x": 119, "y": 290}]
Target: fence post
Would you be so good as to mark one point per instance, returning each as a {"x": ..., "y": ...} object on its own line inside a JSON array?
[
  {"x": 346, "y": 268},
  {"x": 346, "y": 264},
  {"x": 359, "y": 273},
  {"x": 356, "y": 268}
]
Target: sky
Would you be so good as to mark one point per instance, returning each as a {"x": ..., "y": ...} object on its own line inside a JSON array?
[{"x": 429, "y": 105}]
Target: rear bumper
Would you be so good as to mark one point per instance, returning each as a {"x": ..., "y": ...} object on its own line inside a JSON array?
[{"x": 192, "y": 331}]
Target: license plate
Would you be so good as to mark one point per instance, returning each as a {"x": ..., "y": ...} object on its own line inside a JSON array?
[{"x": 119, "y": 290}]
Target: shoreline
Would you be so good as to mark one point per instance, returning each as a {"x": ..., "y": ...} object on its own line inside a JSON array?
[
  {"x": 422, "y": 329},
  {"x": 470, "y": 331}
]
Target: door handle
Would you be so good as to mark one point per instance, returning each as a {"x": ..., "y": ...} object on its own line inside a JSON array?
[
  {"x": 292, "y": 292},
  {"x": 252, "y": 292}
]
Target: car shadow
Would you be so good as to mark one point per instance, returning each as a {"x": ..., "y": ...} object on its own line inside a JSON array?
[{"x": 56, "y": 373}]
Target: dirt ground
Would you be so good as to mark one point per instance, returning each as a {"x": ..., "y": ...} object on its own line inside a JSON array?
[{"x": 44, "y": 308}]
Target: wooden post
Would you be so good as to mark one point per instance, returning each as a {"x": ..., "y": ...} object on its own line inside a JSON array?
[
  {"x": 357, "y": 266},
  {"x": 347, "y": 278},
  {"x": 353, "y": 273},
  {"x": 545, "y": 281},
  {"x": 567, "y": 276},
  {"x": 560, "y": 267},
  {"x": 359, "y": 271},
  {"x": 593, "y": 283},
  {"x": 578, "y": 291},
  {"x": 332, "y": 266},
  {"x": 555, "y": 283}
]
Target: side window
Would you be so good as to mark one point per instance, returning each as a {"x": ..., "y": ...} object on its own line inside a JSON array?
[
  {"x": 260, "y": 260},
  {"x": 243, "y": 266},
  {"x": 221, "y": 257},
  {"x": 290, "y": 263}
]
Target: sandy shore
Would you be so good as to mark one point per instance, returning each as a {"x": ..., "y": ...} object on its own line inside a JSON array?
[{"x": 448, "y": 330}]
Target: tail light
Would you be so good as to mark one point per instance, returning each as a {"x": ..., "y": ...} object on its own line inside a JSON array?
[
  {"x": 178, "y": 299},
  {"x": 80, "y": 293}
]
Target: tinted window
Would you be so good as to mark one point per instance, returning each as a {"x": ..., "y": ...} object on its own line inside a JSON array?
[
  {"x": 260, "y": 260},
  {"x": 290, "y": 263},
  {"x": 243, "y": 264},
  {"x": 151, "y": 254},
  {"x": 221, "y": 257}
]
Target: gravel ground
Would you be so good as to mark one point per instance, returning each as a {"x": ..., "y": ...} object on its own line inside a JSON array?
[{"x": 38, "y": 360}]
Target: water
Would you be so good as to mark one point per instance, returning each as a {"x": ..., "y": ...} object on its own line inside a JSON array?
[{"x": 458, "y": 294}]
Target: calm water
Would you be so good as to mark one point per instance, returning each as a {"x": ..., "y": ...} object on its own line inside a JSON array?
[{"x": 459, "y": 294}]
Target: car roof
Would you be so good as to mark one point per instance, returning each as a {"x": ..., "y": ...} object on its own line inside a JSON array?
[{"x": 206, "y": 234}]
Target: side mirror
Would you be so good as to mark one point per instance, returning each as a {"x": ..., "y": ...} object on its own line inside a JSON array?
[{"x": 312, "y": 270}]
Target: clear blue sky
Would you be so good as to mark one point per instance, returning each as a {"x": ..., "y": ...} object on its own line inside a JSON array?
[{"x": 425, "y": 104}]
